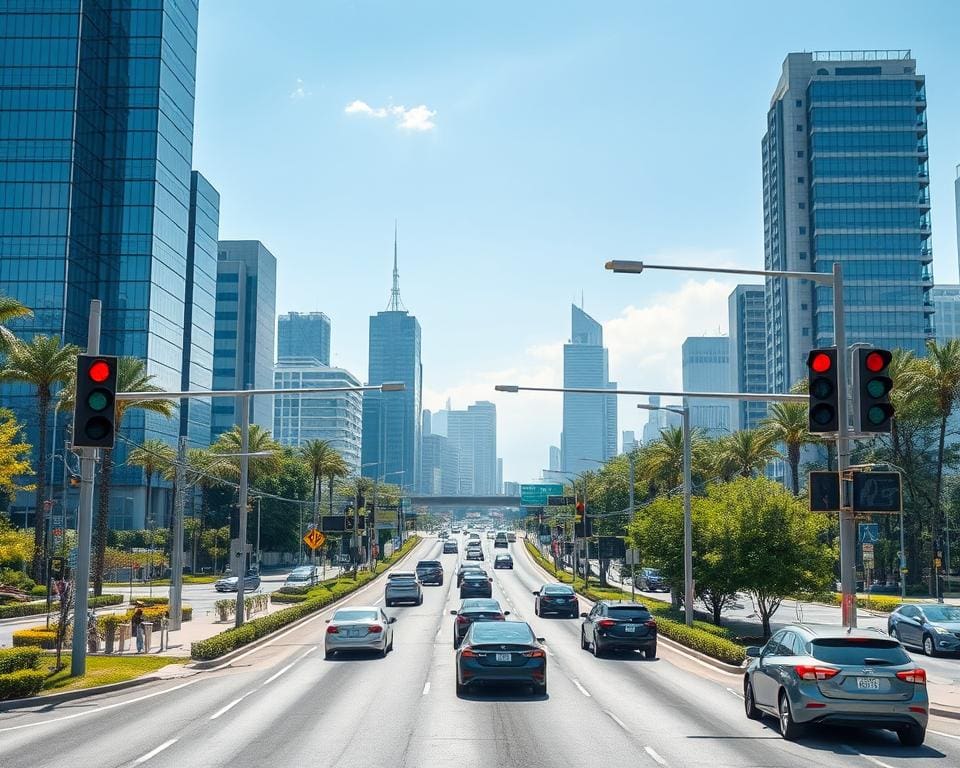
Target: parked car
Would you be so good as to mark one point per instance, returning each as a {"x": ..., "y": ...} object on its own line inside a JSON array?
[
  {"x": 556, "y": 598},
  {"x": 650, "y": 580},
  {"x": 933, "y": 628},
  {"x": 475, "y": 609},
  {"x": 501, "y": 652},
  {"x": 476, "y": 584},
  {"x": 464, "y": 567},
  {"x": 503, "y": 560},
  {"x": 402, "y": 587},
  {"x": 613, "y": 625},
  {"x": 810, "y": 674},
  {"x": 359, "y": 628},
  {"x": 430, "y": 572},
  {"x": 251, "y": 582},
  {"x": 450, "y": 547},
  {"x": 303, "y": 576}
]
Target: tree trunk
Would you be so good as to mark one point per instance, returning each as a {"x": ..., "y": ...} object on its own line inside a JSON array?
[
  {"x": 765, "y": 619},
  {"x": 103, "y": 521},
  {"x": 717, "y": 609},
  {"x": 39, "y": 517},
  {"x": 330, "y": 480}
]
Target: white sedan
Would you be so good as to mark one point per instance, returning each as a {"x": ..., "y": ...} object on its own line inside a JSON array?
[{"x": 359, "y": 628}]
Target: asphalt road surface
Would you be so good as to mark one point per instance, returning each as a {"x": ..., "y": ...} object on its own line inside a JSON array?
[{"x": 284, "y": 706}]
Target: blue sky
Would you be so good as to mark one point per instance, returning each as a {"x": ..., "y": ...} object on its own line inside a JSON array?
[{"x": 521, "y": 145}]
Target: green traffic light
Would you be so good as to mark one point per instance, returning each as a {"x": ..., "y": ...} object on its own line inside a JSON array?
[
  {"x": 876, "y": 415},
  {"x": 98, "y": 400},
  {"x": 821, "y": 388},
  {"x": 876, "y": 388}
]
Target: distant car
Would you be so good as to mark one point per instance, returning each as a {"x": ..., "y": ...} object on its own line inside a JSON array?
[
  {"x": 464, "y": 567},
  {"x": 500, "y": 541},
  {"x": 490, "y": 534},
  {"x": 473, "y": 536},
  {"x": 475, "y": 609},
  {"x": 443, "y": 534},
  {"x": 430, "y": 572},
  {"x": 809, "y": 674},
  {"x": 402, "y": 587},
  {"x": 359, "y": 628},
  {"x": 474, "y": 553},
  {"x": 476, "y": 584},
  {"x": 501, "y": 652},
  {"x": 613, "y": 625},
  {"x": 934, "y": 628},
  {"x": 251, "y": 582},
  {"x": 650, "y": 580},
  {"x": 454, "y": 530},
  {"x": 503, "y": 560},
  {"x": 556, "y": 598},
  {"x": 304, "y": 576},
  {"x": 450, "y": 547},
  {"x": 511, "y": 536}
]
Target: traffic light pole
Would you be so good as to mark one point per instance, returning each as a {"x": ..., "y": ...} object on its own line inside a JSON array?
[
  {"x": 176, "y": 549},
  {"x": 244, "y": 402}
]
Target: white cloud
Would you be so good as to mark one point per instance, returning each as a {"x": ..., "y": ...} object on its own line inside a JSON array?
[
  {"x": 300, "y": 92},
  {"x": 418, "y": 118}
]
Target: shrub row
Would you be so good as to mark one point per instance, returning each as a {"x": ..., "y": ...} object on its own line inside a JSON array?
[
  {"x": 38, "y": 636},
  {"x": 231, "y": 639},
  {"x": 15, "y": 659},
  {"x": 879, "y": 603},
  {"x": 150, "y": 600},
  {"x": 253, "y": 604},
  {"x": 38, "y": 607},
  {"x": 21, "y": 684},
  {"x": 286, "y": 597}
]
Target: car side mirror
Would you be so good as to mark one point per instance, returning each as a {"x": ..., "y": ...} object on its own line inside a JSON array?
[
  {"x": 392, "y": 620},
  {"x": 326, "y": 621},
  {"x": 752, "y": 651},
  {"x": 490, "y": 579},
  {"x": 584, "y": 616},
  {"x": 453, "y": 613},
  {"x": 541, "y": 639},
  {"x": 506, "y": 613},
  {"x": 536, "y": 591}
]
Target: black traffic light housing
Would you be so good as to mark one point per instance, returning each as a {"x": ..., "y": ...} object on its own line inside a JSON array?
[
  {"x": 823, "y": 413},
  {"x": 872, "y": 411},
  {"x": 57, "y": 568},
  {"x": 95, "y": 405}
]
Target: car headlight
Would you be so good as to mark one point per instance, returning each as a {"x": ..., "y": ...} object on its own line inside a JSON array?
[{"x": 942, "y": 630}]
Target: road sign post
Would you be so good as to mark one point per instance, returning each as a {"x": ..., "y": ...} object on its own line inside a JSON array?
[{"x": 314, "y": 539}]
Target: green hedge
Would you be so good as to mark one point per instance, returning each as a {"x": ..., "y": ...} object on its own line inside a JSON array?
[
  {"x": 231, "y": 639},
  {"x": 150, "y": 600},
  {"x": 283, "y": 597},
  {"x": 879, "y": 603},
  {"x": 15, "y": 659},
  {"x": 39, "y": 607},
  {"x": 38, "y": 636},
  {"x": 21, "y": 684}
]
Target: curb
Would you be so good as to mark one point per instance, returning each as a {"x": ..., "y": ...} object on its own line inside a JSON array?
[
  {"x": 58, "y": 698},
  {"x": 953, "y": 714}
]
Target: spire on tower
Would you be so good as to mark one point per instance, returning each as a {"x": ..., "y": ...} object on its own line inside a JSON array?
[{"x": 395, "y": 305}]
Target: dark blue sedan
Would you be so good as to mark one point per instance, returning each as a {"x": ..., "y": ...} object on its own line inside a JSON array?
[
  {"x": 934, "y": 628},
  {"x": 501, "y": 652}
]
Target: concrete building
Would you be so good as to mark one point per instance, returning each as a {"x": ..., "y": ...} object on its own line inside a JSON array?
[
  {"x": 473, "y": 433},
  {"x": 511, "y": 488},
  {"x": 748, "y": 353},
  {"x": 657, "y": 421},
  {"x": 302, "y": 335},
  {"x": 335, "y": 417},
  {"x": 946, "y": 302},
  {"x": 589, "y": 421},
  {"x": 706, "y": 368},
  {"x": 554, "y": 464},
  {"x": 629, "y": 441},
  {"x": 243, "y": 337},
  {"x": 845, "y": 178}
]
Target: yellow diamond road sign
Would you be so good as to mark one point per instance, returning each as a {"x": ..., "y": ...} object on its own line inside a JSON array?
[{"x": 314, "y": 538}]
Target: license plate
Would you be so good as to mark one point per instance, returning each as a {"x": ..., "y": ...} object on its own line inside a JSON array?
[
  {"x": 868, "y": 683},
  {"x": 504, "y": 657},
  {"x": 630, "y": 628}
]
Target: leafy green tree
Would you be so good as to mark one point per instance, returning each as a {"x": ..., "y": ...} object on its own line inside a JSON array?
[
  {"x": 42, "y": 363},
  {"x": 214, "y": 541},
  {"x": 154, "y": 457},
  {"x": 259, "y": 440},
  {"x": 662, "y": 461},
  {"x": 280, "y": 520},
  {"x": 788, "y": 425},
  {"x": 749, "y": 451},
  {"x": 323, "y": 461}
]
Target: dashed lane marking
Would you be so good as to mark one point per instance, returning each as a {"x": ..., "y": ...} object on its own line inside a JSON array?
[
  {"x": 654, "y": 756},
  {"x": 941, "y": 733},
  {"x": 582, "y": 690},
  {"x": 868, "y": 758},
  {"x": 231, "y": 705},
  {"x": 426, "y": 688},
  {"x": 617, "y": 720},
  {"x": 154, "y": 752},
  {"x": 735, "y": 693}
]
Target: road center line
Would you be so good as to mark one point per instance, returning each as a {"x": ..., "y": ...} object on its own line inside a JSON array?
[
  {"x": 866, "y": 757},
  {"x": 617, "y": 720},
  {"x": 275, "y": 675},
  {"x": 154, "y": 752},
  {"x": 735, "y": 693},
  {"x": 231, "y": 705},
  {"x": 653, "y": 754},
  {"x": 426, "y": 688},
  {"x": 582, "y": 690}
]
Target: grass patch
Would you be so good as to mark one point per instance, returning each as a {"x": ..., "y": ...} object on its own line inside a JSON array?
[
  {"x": 101, "y": 670},
  {"x": 164, "y": 582}
]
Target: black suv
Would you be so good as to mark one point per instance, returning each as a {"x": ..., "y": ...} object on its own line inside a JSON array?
[
  {"x": 613, "y": 625},
  {"x": 430, "y": 572}
]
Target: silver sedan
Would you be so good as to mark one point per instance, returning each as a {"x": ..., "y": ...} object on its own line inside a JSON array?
[{"x": 359, "y": 628}]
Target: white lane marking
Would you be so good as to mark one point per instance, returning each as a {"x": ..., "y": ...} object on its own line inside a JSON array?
[
  {"x": 653, "y": 754},
  {"x": 617, "y": 720},
  {"x": 426, "y": 688},
  {"x": 154, "y": 752},
  {"x": 104, "y": 708},
  {"x": 231, "y": 705},
  {"x": 582, "y": 690},
  {"x": 873, "y": 760},
  {"x": 275, "y": 675},
  {"x": 941, "y": 733},
  {"x": 735, "y": 693}
]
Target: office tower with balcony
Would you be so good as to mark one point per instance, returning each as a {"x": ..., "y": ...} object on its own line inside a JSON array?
[
  {"x": 302, "y": 335},
  {"x": 845, "y": 179},
  {"x": 96, "y": 144},
  {"x": 589, "y": 421},
  {"x": 748, "y": 353},
  {"x": 706, "y": 368},
  {"x": 392, "y": 438},
  {"x": 243, "y": 337}
]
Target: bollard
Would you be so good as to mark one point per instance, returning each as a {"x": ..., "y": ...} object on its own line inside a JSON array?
[
  {"x": 124, "y": 633},
  {"x": 147, "y": 634}
]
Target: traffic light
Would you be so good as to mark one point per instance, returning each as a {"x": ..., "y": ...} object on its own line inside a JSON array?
[
  {"x": 348, "y": 521},
  {"x": 57, "y": 568},
  {"x": 94, "y": 409},
  {"x": 872, "y": 411},
  {"x": 823, "y": 411}
]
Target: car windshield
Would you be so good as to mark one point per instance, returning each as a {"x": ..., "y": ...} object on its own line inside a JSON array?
[
  {"x": 474, "y": 577},
  {"x": 941, "y": 613},
  {"x": 557, "y": 589},
  {"x": 403, "y": 580},
  {"x": 501, "y": 632},
  {"x": 355, "y": 614},
  {"x": 479, "y": 604},
  {"x": 651, "y": 573},
  {"x": 504, "y": 557},
  {"x": 626, "y": 612},
  {"x": 428, "y": 564},
  {"x": 857, "y": 650}
]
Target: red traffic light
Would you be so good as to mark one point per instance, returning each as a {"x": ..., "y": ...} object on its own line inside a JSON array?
[
  {"x": 99, "y": 371},
  {"x": 876, "y": 361},
  {"x": 821, "y": 362},
  {"x": 580, "y": 506}
]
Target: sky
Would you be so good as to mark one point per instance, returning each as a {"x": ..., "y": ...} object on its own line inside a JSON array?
[{"x": 519, "y": 146}]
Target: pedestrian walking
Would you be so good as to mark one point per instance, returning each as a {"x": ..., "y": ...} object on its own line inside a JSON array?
[{"x": 136, "y": 623}]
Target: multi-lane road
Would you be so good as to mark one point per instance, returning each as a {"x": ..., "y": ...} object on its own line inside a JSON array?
[{"x": 284, "y": 706}]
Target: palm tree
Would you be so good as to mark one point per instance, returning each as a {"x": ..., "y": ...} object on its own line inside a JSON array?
[
  {"x": 132, "y": 376},
  {"x": 335, "y": 469},
  {"x": 41, "y": 363},
  {"x": 205, "y": 470},
  {"x": 662, "y": 462},
  {"x": 155, "y": 457},
  {"x": 10, "y": 309},
  {"x": 749, "y": 451},
  {"x": 259, "y": 440},
  {"x": 788, "y": 424},
  {"x": 318, "y": 454}
]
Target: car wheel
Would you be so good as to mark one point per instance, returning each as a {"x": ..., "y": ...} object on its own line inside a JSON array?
[
  {"x": 790, "y": 729},
  {"x": 749, "y": 705},
  {"x": 536, "y": 609},
  {"x": 597, "y": 647},
  {"x": 420, "y": 600},
  {"x": 651, "y": 652},
  {"x": 929, "y": 649},
  {"x": 583, "y": 641},
  {"x": 912, "y": 736}
]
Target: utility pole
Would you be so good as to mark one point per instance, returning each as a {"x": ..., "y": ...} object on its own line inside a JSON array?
[
  {"x": 688, "y": 585},
  {"x": 244, "y": 402},
  {"x": 176, "y": 548}
]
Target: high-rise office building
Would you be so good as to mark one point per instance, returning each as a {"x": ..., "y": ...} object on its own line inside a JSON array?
[
  {"x": 629, "y": 443},
  {"x": 554, "y": 464},
  {"x": 303, "y": 335},
  {"x": 199, "y": 309},
  {"x": 845, "y": 179},
  {"x": 439, "y": 467},
  {"x": 334, "y": 417},
  {"x": 956, "y": 202},
  {"x": 473, "y": 433},
  {"x": 748, "y": 353},
  {"x": 706, "y": 368},
  {"x": 243, "y": 337},
  {"x": 589, "y": 421},
  {"x": 946, "y": 302},
  {"x": 511, "y": 488},
  {"x": 391, "y": 420},
  {"x": 658, "y": 420},
  {"x": 96, "y": 143},
  {"x": 499, "y": 476}
]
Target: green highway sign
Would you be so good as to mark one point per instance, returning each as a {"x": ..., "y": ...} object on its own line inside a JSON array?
[{"x": 538, "y": 494}]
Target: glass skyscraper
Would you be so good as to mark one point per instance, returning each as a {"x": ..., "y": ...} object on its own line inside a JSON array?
[
  {"x": 303, "y": 334},
  {"x": 748, "y": 353},
  {"x": 845, "y": 179},
  {"x": 706, "y": 368},
  {"x": 96, "y": 144},
  {"x": 473, "y": 434}
]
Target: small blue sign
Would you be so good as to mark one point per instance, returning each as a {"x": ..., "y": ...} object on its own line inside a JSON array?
[
  {"x": 869, "y": 533},
  {"x": 536, "y": 494}
]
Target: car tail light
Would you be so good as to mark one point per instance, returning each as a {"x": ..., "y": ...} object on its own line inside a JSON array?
[
  {"x": 811, "y": 672},
  {"x": 650, "y": 623},
  {"x": 917, "y": 676},
  {"x": 918, "y": 710},
  {"x": 499, "y": 617},
  {"x": 536, "y": 653},
  {"x": 374, "y": 629},
  {"x": 332, "y": 630},
  {"x": 815, "y": 705},
  {"x": 606, "y": 623},
  {"x": 461, "y": 619},
  {"x": 468, "y": 652}
]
